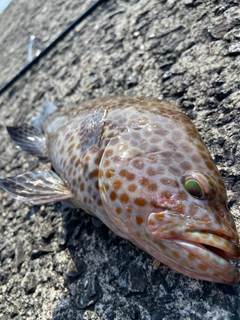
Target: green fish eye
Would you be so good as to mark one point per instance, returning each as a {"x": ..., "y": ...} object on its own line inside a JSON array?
[{"x": 194, "y": 188}]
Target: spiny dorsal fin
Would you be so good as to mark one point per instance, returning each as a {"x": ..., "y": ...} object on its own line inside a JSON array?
[
  {"x": 30, "y": 139},
  {"x": 36, "y": 187},
  {"x": 47, "y": 108}
]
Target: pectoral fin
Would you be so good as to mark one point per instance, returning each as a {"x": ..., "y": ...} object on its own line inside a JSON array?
[
  {"x": 36, "y": 187},
  {"x": 30, "y": 139}
]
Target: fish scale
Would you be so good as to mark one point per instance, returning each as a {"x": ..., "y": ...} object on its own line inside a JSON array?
[{"x": 141, "y": 167}]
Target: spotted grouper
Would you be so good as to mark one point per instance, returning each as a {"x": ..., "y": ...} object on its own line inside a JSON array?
[{"x": 141, "y": 167}]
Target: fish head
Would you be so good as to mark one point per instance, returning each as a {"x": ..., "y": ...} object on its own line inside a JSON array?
[
  {"x": 193, "y": 207},
  {"x": 197, "y": 222},
  {"x": 176, "y": 210}
]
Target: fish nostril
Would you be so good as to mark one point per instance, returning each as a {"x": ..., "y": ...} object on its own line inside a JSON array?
[
  {"x": 163, "y": 204},
  {"x": 219, "y": 210}
]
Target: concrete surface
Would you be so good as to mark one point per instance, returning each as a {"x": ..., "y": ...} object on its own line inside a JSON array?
[{"x": 59, "y": 263}]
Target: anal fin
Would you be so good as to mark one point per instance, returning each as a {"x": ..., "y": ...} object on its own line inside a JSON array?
[
  {"x": 36, "y": 187},
  {"x": 30, "y": 139}
]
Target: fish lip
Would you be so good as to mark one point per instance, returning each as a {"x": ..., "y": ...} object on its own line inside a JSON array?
[
  {"x": 219, "y": 244},
  {"x": 222, "y": 270},
  {"x": 226, "y": 241},
  {"x": 203, "y": 260}
]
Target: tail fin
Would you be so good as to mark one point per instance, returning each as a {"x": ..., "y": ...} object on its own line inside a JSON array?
[{"x": 31, "y": 140}]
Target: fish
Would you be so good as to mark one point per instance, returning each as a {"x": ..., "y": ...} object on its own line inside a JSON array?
[{"x": 140, "y": 166}]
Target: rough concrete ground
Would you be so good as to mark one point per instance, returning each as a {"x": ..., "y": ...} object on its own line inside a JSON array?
[{"x": 59, "y": 263}]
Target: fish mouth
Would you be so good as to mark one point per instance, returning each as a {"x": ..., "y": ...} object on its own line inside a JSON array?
[
  {"x": 218, "y": 244},
  {"x": 197, "y": 249},
  {"x": 213, "y": 251}
]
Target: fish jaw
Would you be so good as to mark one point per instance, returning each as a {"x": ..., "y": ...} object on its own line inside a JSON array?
[
  {"x": 193, "y": 249},
  {"x": 195, "y": 261},
  {"x": 221, "y": 270}
]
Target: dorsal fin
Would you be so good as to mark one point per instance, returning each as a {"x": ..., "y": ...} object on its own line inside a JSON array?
[{"x": 47, "y": 108}]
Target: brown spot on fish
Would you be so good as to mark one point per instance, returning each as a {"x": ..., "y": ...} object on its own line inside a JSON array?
[
  {"x": 204, "y": 155},
  {"x": 152, "y": 187},
  {"x": 71, "y": 139},
  {"x": 73, "y": 158},
  {"x": 193, "y": 209},
  {"x": 201, "y": 148},
  {"x": 147, "y": 134},
  {"x": 106, "y": 163},
  {"x": 139, "y": 220},
  {"x": 178, "y": 208},
  {"x": 96, "y": 184},
  {"x": 99, "y": 202},
  {"x": 169, "y": 182},
  {"x": 210, "y": 165},
  {"x": 159, "y": 216},
  {"x": 117, "y": 159},
  {"x": 191, "y": 256},
  {"x": 182, "y": 195},
  {"x": 166, "y": 195},
  {"x": 108, "y": 153},
  {"x": 132, "y": 187},
  {"x": 151, "y": 171},
  {"x": 144, "y": 181},
  {"x": 70, "y": 171},
  {"x": 109, "y": 173},
  {"x": 202, "y": 267},
  {"x": 124, "y": 198},
  {"x": 106, "y": 186},
  {"x": 196, "y": 158},
  {"x": 176, "y": 255},
  {"x": 140, "y": 201},
  {"x": 130, "y": 176},
  {"x": 129, "y": 209},
  {"x": 138, "y": 164},
  {"x": 118, "y": 210},
  {"x": 93, "y": 174},
  {"x": 186, "y": 165},
  {"x": 99, "y": 157},
  {"x": 113, "y": 196},
  {"x": 68, "y": 135},
  {"x": 117, "y": 184},
  {"x": 77, "y": 163},
  {"x": 70, "y": 148},
  {"x": 100, "y": 173}
]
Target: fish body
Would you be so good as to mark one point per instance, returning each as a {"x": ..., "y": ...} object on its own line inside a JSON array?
[{"x": 141, "y": 167}]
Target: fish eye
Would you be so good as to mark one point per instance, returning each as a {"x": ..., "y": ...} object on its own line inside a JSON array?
[
  {"x": 194, "y": 188},
  {"x": 199, "y": 185}
]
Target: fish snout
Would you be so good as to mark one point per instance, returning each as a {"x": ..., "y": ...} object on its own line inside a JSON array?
[
  {"x": 221, "y": 240},
  {"x": 194, "y": 248}
]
